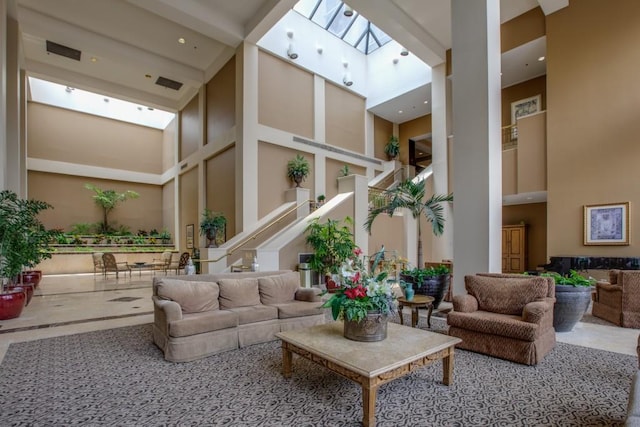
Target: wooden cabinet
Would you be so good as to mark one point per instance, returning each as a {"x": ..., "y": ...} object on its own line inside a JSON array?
[{"x": 514, "y": 248}]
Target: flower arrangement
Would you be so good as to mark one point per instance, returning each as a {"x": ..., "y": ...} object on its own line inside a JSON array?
[{"x": 361, "y": 291}]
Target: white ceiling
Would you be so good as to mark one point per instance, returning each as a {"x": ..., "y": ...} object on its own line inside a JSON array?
[{"x": 129, "y": 40}]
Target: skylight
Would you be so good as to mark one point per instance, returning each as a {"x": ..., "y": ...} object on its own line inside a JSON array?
[{"x": 355, "y": 29}]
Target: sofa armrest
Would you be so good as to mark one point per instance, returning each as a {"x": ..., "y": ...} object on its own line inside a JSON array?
[
  {"x": 308, "y": 295},
  {"x": 535, "y": 311},
  {"x": 465, "y": 303},
  {"x": 170, "y": 310}
]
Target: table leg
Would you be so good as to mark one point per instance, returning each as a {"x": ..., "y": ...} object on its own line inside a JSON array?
[
  {"x": 429, "y": 315},
  {"x": 414, "y": 316},
  {"x": 447, "y": 368},
  {"x": 287, "y": 357},
  {"x": 400, "y": 313},
  {"x": 369, "y": 405}
]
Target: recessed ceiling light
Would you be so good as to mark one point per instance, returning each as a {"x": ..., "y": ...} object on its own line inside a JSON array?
[
  {"x": 541, "y": 58},
  {"x": 426, "y": 102},
  {"x": 181, "y": 40},
  {"x": 148, "y": 76},
  {"x": 399, "y": 111},
  {"x": 94, "y": 59}
]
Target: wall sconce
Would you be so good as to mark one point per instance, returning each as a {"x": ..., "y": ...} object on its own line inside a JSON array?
[
  {"x": 347, "y": 75},
  {"x": 404, "y": 52},
  {"x": 348, "y": 11},
  {"x": 291, "y": 51}
]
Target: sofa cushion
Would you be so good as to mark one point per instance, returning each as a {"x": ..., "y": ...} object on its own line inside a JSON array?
[
  {"x": 288, "y": 310},
  {"x": 505, "y": 295},
  {"x": 278, "y": 289},
  {"x": 255, "y": 313},
  {"x": 193, "y": 297},
  {"x": 494, "y": 324},
  {"x": 193, "y": 324},
  {"x": 239, "y": 293}
]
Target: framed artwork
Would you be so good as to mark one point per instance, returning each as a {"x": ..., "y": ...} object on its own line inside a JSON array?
[
  {"x": 606, "y": 224},
  {"x": 189, "y": 236},
  {"x": 524, "y": 107}
]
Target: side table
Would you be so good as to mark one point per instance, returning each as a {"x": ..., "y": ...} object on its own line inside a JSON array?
[{"x": 417, "y": 302}]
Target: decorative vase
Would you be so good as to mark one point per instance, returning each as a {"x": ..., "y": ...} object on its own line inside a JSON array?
[
  {"x": 409, "y": 293},
  {"x": 571, "y": 304},
  {"x": 371, "y": 328}
]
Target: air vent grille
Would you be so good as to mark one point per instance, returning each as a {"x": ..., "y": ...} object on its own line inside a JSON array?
[
  {"x": 65, "y": 51},
  {"x": 171, "y": 84}
]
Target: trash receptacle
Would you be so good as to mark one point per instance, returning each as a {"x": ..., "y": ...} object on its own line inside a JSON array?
[{"x": 305, "y": 274}]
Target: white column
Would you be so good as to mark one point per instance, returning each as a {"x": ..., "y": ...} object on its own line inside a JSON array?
[
  {"x": 442, "y": 247},
  {"x": 202, "y": 164},
  {"x": 247, "y": 135},
  {"x": 358, "y": 184},
  {"x": 320, "y": 173},
  {"x": 476, "y": 120},
  {"x": 3, "y": 98},
  {"x": 319, "y": 117}
]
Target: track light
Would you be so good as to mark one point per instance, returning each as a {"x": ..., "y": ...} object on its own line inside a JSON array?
[
  {"x": 291, "y": 51},
  {"x": 404, "y": 52},
  {"x": 347, "y": 75},
  {"x": 348, "y": 11},
  {"x": 395, "y": 60}
]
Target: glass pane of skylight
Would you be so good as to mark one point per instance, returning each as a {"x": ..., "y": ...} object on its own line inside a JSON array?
[
  {"x": 340, "y": 23},
  {"x": 356, "y": 30},
  {"x": 325, "y": 12},
  {"x": 305, "y": 7},
  {"x": 382, "y": 37}
]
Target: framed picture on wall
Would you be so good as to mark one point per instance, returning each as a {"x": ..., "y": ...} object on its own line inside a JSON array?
[
  {"x": 606, "y": 224},
  {"x": 524, "y": 107},
  {"x": 189, "y": 236}
]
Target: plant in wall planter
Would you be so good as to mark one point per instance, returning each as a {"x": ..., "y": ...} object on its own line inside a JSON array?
[
  {"x": 24, "y": 243},
  {"x": 108, "y": 200},
  {"x": 332, "y": 242},
  {"x": 392, "y": 149},
  {"x": 344, "y": 171},
  {"x": 212, "y": 226},
  {"x": 298, "y": 169}
]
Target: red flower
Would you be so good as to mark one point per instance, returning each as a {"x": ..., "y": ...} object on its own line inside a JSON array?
[
  {"x": 356, "y": 277},
  {"x": 357, "y": 292},
  {"x": 357, "y": 251}
]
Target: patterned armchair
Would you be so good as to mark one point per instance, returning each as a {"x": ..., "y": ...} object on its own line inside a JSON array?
[
  {"x": 506, "y": 317},
  {"x": 619, "y": 300}
]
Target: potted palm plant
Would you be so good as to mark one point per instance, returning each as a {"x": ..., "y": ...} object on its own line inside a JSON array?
[
  {"x": 212, "y": 225},
  {"x": 392, "y": 149},
  {"x": 410, "y": 195},
  {"x": 298, "y": 169},
  {"x": 24, "y": 242},
  {"x": 332, "y": 243}
]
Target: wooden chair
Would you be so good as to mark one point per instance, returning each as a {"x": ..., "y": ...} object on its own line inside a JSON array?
[{"x": 110, "y": 264}]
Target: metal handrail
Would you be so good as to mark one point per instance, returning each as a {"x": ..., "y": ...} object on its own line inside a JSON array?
[
  {"x": 509, "y": 136},
  {"x": 256, "y": 234}
]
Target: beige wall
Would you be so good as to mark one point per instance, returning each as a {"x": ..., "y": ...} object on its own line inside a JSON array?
[
  {"x": 344, "y": 118},
  {"x": 189, "y": 207},
  {"x": 533, "y": 87},
  {"x": 388, "y": 231},
  {"x": 332, "y": 173},
  {"x": 169, "y": 145},
  {"x": 221, "y": 182},
  {"x": 592, "y": 120},
  {"x": 190, "y": 128},
  {"x": 509, "y": 172},
  {"x": 285, "y": 96},
  {"x": 522, "y": 29},
  {"x": 532, "y": 153},
  {"x": 74, "y": 204},
  {"x": 168, "y": 211},
  {"x": 272, "y": 176},
  {"x": 73, "y": 137},
  {"x": 411, "y": 129},
  {"x": 535, "y": 216},
  {"x": 221, "y": 101},
  {"x": 382, "y": 131}
]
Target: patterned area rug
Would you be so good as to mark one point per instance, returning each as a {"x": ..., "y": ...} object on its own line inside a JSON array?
[{"x": 118, "y": 377}]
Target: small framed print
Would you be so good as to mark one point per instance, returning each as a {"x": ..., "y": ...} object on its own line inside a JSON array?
[
  {"x": 190, "y": 236},
  {"x": 606, "y": 224},
  {"x": 524, "y": 107}
]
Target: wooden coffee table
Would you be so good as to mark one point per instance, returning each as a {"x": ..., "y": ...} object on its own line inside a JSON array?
[
  {"x": 418, "y": 301},
  {"x": 370, "y": 364}
]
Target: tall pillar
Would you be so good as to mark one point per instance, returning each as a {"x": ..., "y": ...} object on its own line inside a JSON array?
[
  {"x": 442, "y": 246},
  {"x": 246, "y": 135},
  {"x": 15, "y": 164},
  {"x": 3, "y": 97},
  {"x": 477, "y": 163}
]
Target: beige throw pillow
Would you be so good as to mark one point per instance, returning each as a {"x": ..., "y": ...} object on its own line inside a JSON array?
[
  {"x": 239, "y": 292},
  {"x": 279, "y": 289},
  {"x": 193, "y": 297}
]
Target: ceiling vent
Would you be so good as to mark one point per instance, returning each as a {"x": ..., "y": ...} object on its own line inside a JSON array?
[
  {"x": 171, "y": 84},
  {"x": 65, "y": 51}
]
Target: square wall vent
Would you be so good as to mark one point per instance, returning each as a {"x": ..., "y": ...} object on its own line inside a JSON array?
[
  {"x": 62, "y": 50},
  {"x": 171, "y": 84}
]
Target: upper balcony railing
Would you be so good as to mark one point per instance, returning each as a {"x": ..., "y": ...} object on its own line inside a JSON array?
[{"x": 509, "y": 137}]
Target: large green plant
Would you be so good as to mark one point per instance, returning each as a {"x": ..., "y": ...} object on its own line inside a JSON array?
[
  {"x": 298, "y": 169},
  {"x": 410, "y": 195},
  {"x": 332, "y": 243},
  {"x": 108, "y": 200},
  {"x": 572, "y": 279},
  {"x": 211, "y": 225},
  {"x": 24, "y": 240}
]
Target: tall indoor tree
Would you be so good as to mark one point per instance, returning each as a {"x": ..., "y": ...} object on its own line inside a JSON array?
[
  {"x": 410, "y": 195},
  {"x": 108, "y": 200}
]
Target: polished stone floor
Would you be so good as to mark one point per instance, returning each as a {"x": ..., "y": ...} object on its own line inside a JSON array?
[{"x": 70, "y": 304}]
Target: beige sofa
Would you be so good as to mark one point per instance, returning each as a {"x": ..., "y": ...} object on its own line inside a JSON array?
[{"x": 197, "y": 316}]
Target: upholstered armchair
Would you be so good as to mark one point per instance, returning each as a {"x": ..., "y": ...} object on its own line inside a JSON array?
[
  {"x": 506, "y": 317},
  {"x": 619, "y": 300}
]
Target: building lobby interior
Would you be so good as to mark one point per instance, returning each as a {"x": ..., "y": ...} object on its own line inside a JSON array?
[{"x": 217, "y": 96}]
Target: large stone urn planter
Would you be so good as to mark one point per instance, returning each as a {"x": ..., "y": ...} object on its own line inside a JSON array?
[
  {"x": 435, "y": 287},
  {"x": 571, "y": 304}
]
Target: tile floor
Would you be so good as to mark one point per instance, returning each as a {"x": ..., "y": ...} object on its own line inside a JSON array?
[{"x": 70, "y": 304}]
